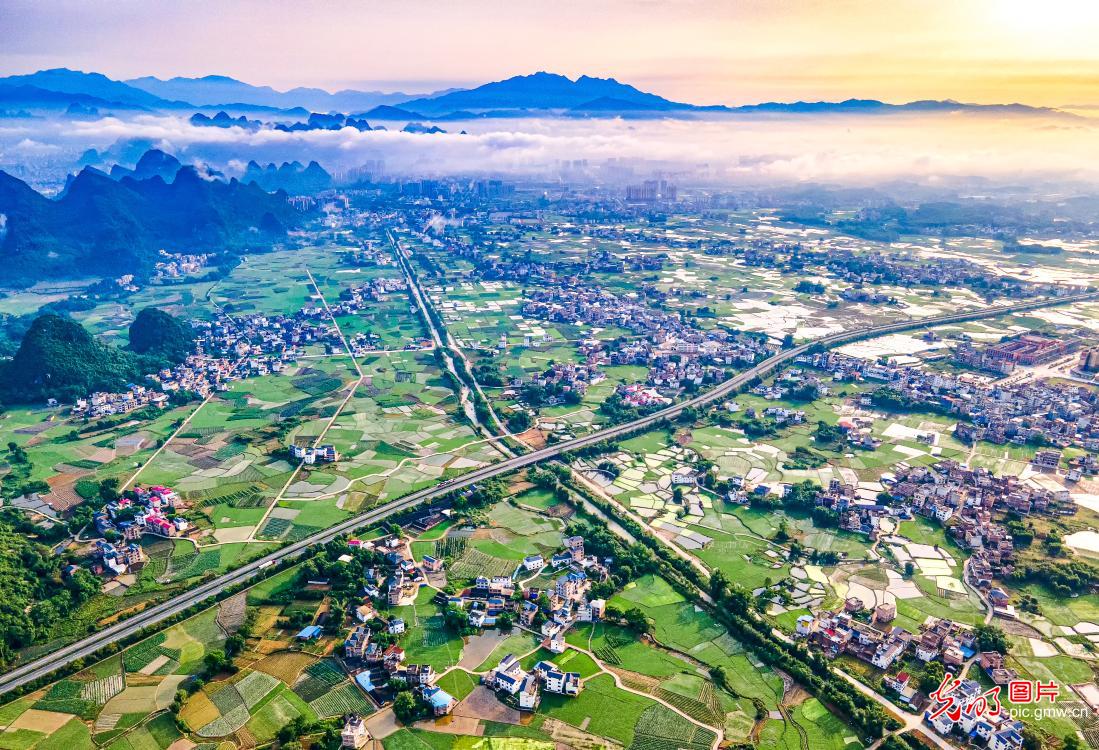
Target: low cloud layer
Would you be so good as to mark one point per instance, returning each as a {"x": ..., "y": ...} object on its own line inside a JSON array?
[{"x": 744, "y": 151}]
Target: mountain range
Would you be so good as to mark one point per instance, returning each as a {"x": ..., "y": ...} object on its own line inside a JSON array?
[
  {"x": 540, "y": 94},
  {"x": 215, "y": 90},
  {"x": 289, "y": 176},
  {"x": 106, "y": 225}
]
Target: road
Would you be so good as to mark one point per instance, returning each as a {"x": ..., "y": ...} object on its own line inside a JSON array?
[
  {"x": 89, "y": 645},
  {"x": 446, "y": 344},
  {"x": 910, "y": 722},
  {"x": 360, "y": 377}
]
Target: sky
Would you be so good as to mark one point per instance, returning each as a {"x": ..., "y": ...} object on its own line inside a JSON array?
[{"x": 1040, "y": 52}]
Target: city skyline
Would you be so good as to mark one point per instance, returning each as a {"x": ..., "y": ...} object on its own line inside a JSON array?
[{"x": 982, "y": 51}]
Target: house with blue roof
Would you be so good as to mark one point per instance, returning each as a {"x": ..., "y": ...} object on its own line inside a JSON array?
[
  {"x": 364, "y": 680},
  {"x": 310, "y": 633},
  {"x": 1009, "y": 737},
  {"x": 441, "y": 702}
]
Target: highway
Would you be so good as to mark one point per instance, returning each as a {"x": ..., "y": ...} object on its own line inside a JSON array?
[{"x": 92, "y": 643}]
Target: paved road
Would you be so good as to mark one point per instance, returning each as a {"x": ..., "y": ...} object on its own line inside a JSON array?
[
  {"x": 910, "y": 722},
  {"x": 87, "y": 646}
]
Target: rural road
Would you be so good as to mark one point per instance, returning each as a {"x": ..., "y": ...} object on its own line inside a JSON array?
[{"x": 118, "y": 631}]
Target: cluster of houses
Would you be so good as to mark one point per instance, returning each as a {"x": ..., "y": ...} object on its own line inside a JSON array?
[
  {"x": 562, "y": 377},
  {"x": 201, "y": 374},
  {"x": 509, "y": 678},
  {"x": 142, "y": 510},
  {"x": 641, "y": 396},
  {"x": 259, "y": 335},
  {"x": 599, "y": 307},
  {"x": 863, "y": 267},
  {"x": 1034, "y": 411},
  {"x": 103, "y": 403},
  {"x": 550, "y": 612},
  {"x": 112, "y": 560},
  {"x": 966, "y": 715},
  {"x": 369, "y": 255},
  {"x": 949, "y": 490},
  {"x": 228, "y": 348},
  {"x": 676, "y": 352},
  {"x": 174, "y": 266},
  {"x": 873, "y": 640},
  {"x": 1028, "y": 349},
  {"x": 378, "y": 664}
]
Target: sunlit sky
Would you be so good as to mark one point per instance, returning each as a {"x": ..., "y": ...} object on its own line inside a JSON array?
[{"x": 1042, "y": 52}]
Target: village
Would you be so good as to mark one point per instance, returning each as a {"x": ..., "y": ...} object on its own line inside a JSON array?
[
  {"x": 1028, "y": 411},
  {"x": 232, "y": 347},
  {"x": 490, "y": 602}
]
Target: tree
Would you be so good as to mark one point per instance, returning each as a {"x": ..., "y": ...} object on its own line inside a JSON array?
[
  {"x": 782, "y": 534},
  {"x": 234, "y": 644},
  {"x": 108, "y": 489},
  {"x": 636, "y": 620},
  {"x": 519, "y": 421},
  {"x": 991, "y": 638},
  {"x": 719, "y": 585},
  {"x": 720, "y": 677},
  {"x": 932, "y": 676},
  {"x": 405, "y": 707},
  {"x": 215, "y": 661},
  {"x": 1053, "y": 543},
  {"x": 505, "y": 621}
]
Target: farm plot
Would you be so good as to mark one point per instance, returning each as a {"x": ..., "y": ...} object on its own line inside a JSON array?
[
  {"x": 602, "y": 709},
  {"x": 72, "y": 456},
  {"x": 318, "y": 679},
  {"x": 227, "y": 462},
  {"x": 340, "y": 701},
  {"x": 255, "y": 686},
  {"x": 400, "y": 432},
  {"x": 684, "y": 627},
  {"x": 475, "y": 563},
  {"x": 276, "y": 713},
  {"x": 660, "y": 728}
]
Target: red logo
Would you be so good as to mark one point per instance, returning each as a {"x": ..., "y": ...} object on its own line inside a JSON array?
[
  {"x": 944, "y": 694},
  {"x": 1026, "y": 691},
  {"x": 987, "y": 704}
]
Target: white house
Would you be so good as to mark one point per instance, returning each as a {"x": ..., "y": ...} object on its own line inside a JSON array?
[{"x": 528, "y": 693}]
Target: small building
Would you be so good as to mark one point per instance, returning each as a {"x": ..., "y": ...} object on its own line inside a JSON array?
[
  {"x": 529, "y": 696},
  {"x": 310, "y": 633},
  {"x": 354, "y": 734},
  {"x": 441, "y": 702},
  {"x": 563, "y": 683}
]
